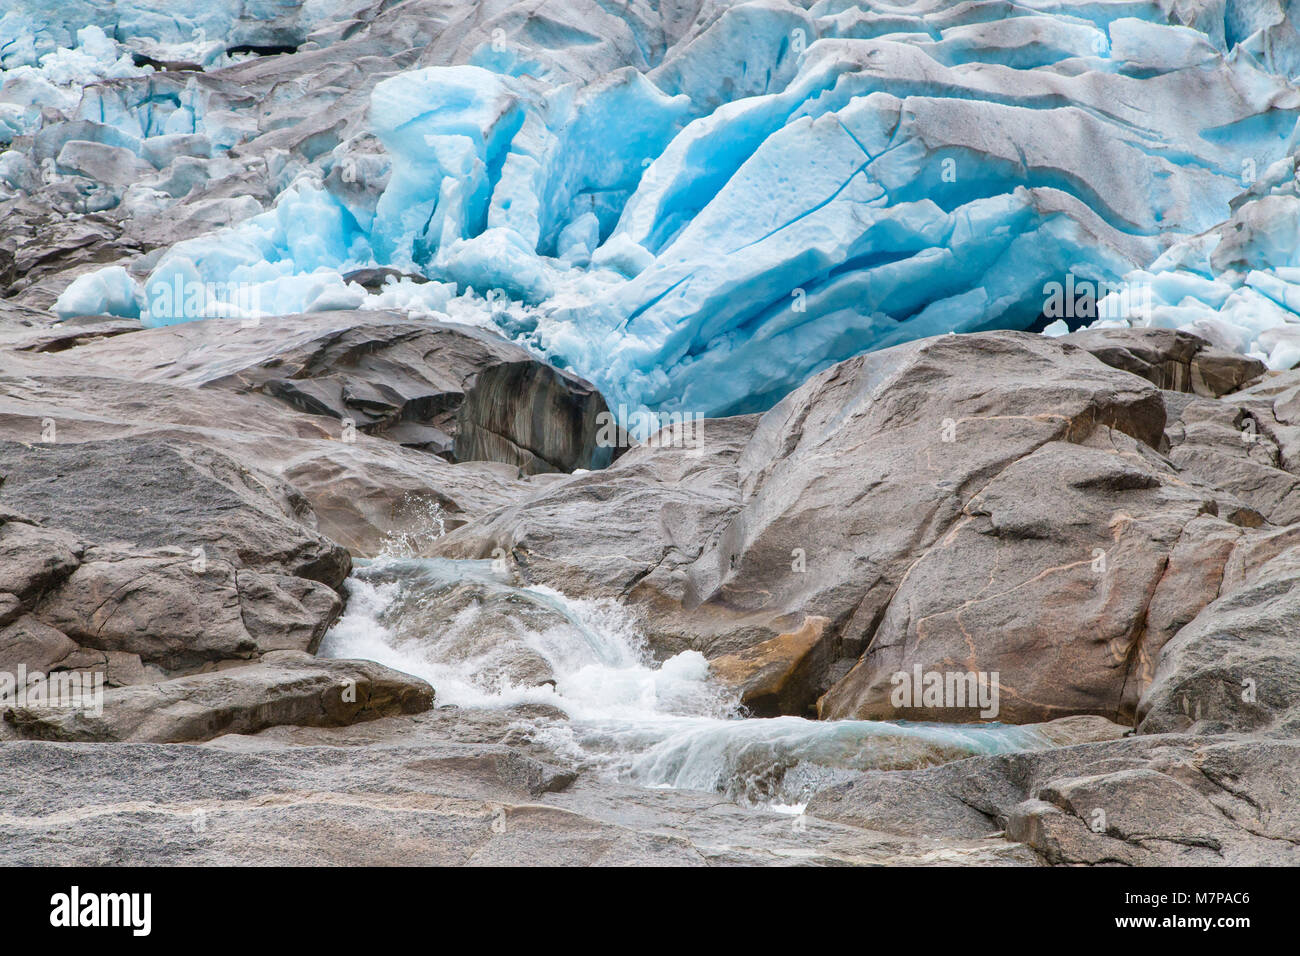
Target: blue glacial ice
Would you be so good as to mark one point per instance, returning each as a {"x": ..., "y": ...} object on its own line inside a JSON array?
[{"x": 698, "y": 211}]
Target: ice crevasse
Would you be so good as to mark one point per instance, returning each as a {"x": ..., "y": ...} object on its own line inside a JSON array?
[{"x": 783, "y": 186}]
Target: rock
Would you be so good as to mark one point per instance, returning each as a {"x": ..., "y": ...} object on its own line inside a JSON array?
[
  {"x": 826, "y": 505},
  {"x": 1145, "y": 801},
  {"x": 240, "y": 799},
  {"x": 770, "y": 678},
  {"x": 412, "y": 805},
  {"x": 459, "y": 392},
  {"x": 112, "y": 165},
  {"x": 286, "y": 687},
  {"x": 29, "y": 643},
  {"x": 1270, "y": 414},
  {"x": 79, "y": 330},
  {"x": 153, "y": 494},
  {"x": 630, "y": 532},
  {"x": 1236, "y": 667},
  {"x": 119, "y": 668},
  {"x": 1171, "y": 359},
  {"x": 170, "y": 612},
  {"x": 368, "y": 495},
  {"x": 372, "y": 280},
  {"x": 1048, "y": 580},
  {"x": 33, "y": 558},
  {"x": 41, "y": 253},
  {"x": 167, "y": 554},
  {"x": 1081, "y": 729},
  {"x": 1218, "y": 443},
  {"x": 11, "y": 608}
]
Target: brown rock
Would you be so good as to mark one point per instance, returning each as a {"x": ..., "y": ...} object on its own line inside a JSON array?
[
  {"x": 32, "y": 644},
  {"x": 168, "y": 612},
  {"x": 1171, "y": 359},
  {"x": 772, "y": 677},
  {"x": 1046, "y": 582}
]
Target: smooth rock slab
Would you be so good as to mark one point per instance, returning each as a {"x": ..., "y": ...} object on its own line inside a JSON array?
[
  {"x": 463, "y": 393},
  {"x": 363, "y": 493},
  {"x": 284, "y": 688},
  {"x": 153, "y": 494},
  {"x": 252, "y": 801},
  {"x": 1160, "y": 800}
]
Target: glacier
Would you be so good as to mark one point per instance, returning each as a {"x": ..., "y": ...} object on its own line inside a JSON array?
[{"x": 695, "y": 205}]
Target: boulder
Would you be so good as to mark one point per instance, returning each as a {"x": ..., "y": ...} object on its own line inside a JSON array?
[
  {"x": 772, "y": 677},
  {"x": 868, "y": 496},
  {"x": 30, "y": 643},
  {"x": 1062, "y": 581},
  {"x": 1236, "y": 667},
  {"x": 179, "y": 615},
  {"x": 462, "y": 393},
  {"x": 201, "y": 560},
  {"x": 111, "y": 165},
  {"x": 1171, "y": 359},
  {"x": 33, "y": 558},
  {"x": 286, "y": 687},
  {"x": 152, "y": 494}
]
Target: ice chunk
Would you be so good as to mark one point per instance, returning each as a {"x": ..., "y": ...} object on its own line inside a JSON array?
[
  {"x": 109, "y": 291},
  {"x": 497, "y": 259}
]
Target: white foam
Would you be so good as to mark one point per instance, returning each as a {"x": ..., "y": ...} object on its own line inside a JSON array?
[{"x": 657, "y": 724}]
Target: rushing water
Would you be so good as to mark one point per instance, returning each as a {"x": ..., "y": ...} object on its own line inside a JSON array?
[{"x": 465, "y": 629}]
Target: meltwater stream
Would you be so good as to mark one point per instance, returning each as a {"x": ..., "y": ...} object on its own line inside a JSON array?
[{"x": 483, "y": 642}]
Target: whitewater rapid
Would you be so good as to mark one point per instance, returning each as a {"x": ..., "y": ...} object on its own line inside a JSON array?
[{"x": 630, "y": 717}]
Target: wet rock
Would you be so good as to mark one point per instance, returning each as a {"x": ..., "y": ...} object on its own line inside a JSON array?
[
  {"x": 771, "y": 677},
  {"x": 1081, "y": 729},
  {"x": 241, "y": 799},
  {"x": 630, "y": 532},
  {"x": 449, "y": 614},
  {"x": 867, "y": 475}
]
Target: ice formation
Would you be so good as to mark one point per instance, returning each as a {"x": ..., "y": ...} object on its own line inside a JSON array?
[{"x": 695, "y": 205}]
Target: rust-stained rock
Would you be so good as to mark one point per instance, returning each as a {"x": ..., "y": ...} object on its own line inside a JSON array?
[{"x": 775, "y": 676}]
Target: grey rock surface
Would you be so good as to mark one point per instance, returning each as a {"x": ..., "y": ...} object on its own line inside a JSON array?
[
  {"x": 285, "y": 687},
  {"x": 1153, "y": 801}
]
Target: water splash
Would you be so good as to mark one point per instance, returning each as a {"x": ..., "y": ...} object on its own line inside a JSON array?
[
  {"x": 423, "y": 522},
  {"x": 465, "y": 628}
]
